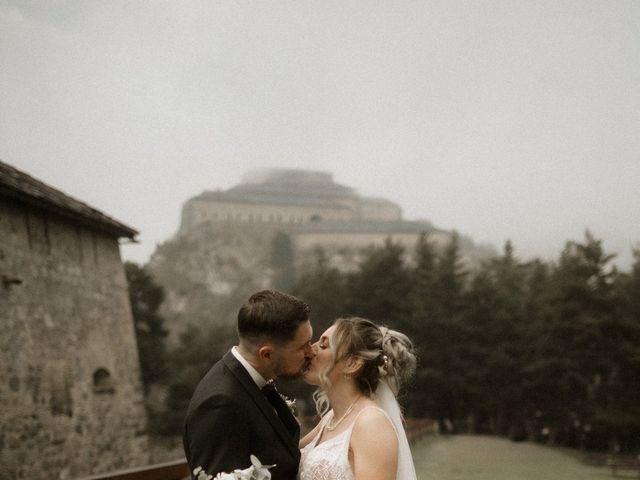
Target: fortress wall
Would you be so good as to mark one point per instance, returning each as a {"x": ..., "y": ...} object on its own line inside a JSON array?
[
  {"x": 383, "y": 212},
  {"x": 345, "y": 251},
  {"x": 71, "y": 399},
  {"x": 200, "y": 211}
]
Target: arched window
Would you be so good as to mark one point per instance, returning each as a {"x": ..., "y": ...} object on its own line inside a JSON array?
[{"x": 102, "y": 381}]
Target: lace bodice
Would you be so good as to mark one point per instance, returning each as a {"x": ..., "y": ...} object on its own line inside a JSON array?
[{"x": 328, "y": 460}]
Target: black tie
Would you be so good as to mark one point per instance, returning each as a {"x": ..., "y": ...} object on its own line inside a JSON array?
[{"x": 281, "y": 408}]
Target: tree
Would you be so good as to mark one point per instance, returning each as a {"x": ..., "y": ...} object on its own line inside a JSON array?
[
  {"x": 198, "y": 350},
  {"x": 437, "y": 299},
  {"x": 146, "y": 296},
  {"x": 494, "y": 320},
  {"x": 324, "y": 289},
  {"x": 378, "y": 290},
  {"x": 282, "y": 259},
  {"x": 574, "y": 364},
  {"x": 450, "y": 278},
  {"x": 423, "y": 282}
]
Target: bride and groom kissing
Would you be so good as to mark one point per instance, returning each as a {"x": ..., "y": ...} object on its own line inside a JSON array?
[{"x": 358, "y": 366}]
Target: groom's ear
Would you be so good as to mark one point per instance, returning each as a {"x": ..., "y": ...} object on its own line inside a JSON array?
[{"x": 265, "y": 353}]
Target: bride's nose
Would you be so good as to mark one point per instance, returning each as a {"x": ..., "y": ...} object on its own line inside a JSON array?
[{"x": 310, "y": 351}]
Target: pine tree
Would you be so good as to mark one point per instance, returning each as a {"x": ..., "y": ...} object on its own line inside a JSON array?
[{"x": 145, "y": 297}]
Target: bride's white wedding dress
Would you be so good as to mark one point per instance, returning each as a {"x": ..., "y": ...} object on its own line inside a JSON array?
[{"x": 329, "y": 460}]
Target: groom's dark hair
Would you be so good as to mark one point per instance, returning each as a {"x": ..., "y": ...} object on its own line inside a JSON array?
[{"x": 272, "y": 315}]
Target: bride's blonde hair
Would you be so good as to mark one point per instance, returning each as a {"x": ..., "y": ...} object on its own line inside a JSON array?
[{"x": 385, "y": 354}]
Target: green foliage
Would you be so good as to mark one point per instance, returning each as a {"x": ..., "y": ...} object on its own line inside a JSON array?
[
  {"x": 197, "y": 352},
  {"x": 545, "y": 350},
  {"x": 145, "y": 297},
  {"x": 323, "y": 288},
  {"x": 282, "y": 256},
  {"x": 378, "y": 290}
]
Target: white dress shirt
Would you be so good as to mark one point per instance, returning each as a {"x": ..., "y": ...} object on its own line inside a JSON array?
[{"x": 255, "y": 375}]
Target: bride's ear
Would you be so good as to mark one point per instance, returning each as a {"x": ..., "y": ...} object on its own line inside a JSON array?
[{"x": 353, "y": 365}]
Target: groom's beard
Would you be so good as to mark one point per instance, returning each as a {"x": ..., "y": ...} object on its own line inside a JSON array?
[{"x": 291, "y": 374}]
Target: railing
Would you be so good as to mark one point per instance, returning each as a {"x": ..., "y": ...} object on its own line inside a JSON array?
[
  {"x": 417, "y": 428},
  {"x": 179, "y": 470},
  {"x": 176, "y": 470}
]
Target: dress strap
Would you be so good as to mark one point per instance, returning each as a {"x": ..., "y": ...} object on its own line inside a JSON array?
[
  {"x": 368, "y": 408},
  {"x": 349, "y": 431}
]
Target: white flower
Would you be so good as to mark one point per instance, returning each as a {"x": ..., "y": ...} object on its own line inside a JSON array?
[
  {"x": 246, "y": 474},
  {"x": 291, "y": 403},
  {"x": 226, "y": 476},
  {"x": 256, "y": 471},
  {"x": 261, "y": 471},
  {"x": 200, "y": 474}
]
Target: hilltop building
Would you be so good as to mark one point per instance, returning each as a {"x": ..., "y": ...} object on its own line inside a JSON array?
[
  {"x": 71, "y": 401},
  {"x": 314, "y": 211},
  {"x": 287, "y": 197},
  {"x": 266, "y": 231}
]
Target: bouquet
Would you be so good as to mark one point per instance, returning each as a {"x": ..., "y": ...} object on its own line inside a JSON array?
[{"x": 256, "y": 471}]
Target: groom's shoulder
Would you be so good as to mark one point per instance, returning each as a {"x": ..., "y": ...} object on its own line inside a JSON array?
[{"x": 218, "y": 381}]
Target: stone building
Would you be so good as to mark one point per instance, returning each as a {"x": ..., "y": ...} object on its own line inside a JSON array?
[
  {"x": 286, "y": 197},
  {"x": 71, "y": 401},
  {"x": 315, "y": 212},
  {"x": 265, "y": 232}
]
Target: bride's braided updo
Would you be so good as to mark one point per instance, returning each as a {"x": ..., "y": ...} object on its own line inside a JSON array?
[{"x": 385, "y": 353}]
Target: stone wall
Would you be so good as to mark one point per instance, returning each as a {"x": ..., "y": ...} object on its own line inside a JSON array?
[
  {"x": 196, "y": 212},
  {"x": 71, "y": 400}
]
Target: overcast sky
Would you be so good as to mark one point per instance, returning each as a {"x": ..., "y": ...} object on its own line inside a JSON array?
[{"x": 502, "y": 119}]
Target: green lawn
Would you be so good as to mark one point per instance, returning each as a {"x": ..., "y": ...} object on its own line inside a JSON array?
[{"x": 469, "y": 457}]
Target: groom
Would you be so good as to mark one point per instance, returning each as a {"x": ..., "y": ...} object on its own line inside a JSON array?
[{"x": 235, "y": 412}]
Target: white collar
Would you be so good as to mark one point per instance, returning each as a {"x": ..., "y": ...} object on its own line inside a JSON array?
[{"x": 255, "y": 375}]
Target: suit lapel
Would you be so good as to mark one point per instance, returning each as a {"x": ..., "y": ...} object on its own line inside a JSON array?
[{"x": 243, "y": 377}]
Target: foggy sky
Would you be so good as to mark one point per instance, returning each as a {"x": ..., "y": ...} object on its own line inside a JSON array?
[{"x": 501, "y": 119}]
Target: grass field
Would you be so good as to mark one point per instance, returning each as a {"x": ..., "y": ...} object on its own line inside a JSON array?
[{"x": 469, "y": 457}]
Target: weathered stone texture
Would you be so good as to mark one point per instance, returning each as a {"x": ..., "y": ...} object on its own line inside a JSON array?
[{"x": 71, "y": 400}]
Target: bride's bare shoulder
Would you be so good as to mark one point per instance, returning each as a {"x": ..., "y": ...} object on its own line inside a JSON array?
[
  {"x": 372, "y": 422},
  {"x": 374, "y": 444}
]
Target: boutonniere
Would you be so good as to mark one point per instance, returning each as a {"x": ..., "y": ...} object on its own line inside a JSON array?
[{"x": 291, "y": 404}]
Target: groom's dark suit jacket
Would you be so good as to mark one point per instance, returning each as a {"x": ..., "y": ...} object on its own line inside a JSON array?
[{"x": 229, "y": 419}]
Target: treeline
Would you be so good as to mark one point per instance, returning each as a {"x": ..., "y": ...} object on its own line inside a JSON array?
[
  {"x": 537, "y": 350},
  {"x": 546, "y": 351}
]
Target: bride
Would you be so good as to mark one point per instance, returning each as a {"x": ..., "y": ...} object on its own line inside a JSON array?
[{"x": 359, "y": 367}]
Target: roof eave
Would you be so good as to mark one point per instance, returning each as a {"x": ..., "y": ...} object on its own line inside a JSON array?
[{"x": 111, "y": 226}]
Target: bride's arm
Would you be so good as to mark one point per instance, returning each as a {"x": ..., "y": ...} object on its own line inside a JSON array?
[{"x": 375, "y": 447}]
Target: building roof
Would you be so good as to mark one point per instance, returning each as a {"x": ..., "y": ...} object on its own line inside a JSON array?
[
  {"x": 20, "y": 186},
  {"x": 281, "y": 186}
]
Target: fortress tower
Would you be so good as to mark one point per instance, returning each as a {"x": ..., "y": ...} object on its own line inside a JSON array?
[{"x": 71, "y": 400}]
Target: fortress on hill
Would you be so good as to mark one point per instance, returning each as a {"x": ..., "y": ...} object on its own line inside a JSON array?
[
  {"x": 290, "y": 197},
  {"x": 268, "y": 230},
  {"x": 312, "y": 210}
]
